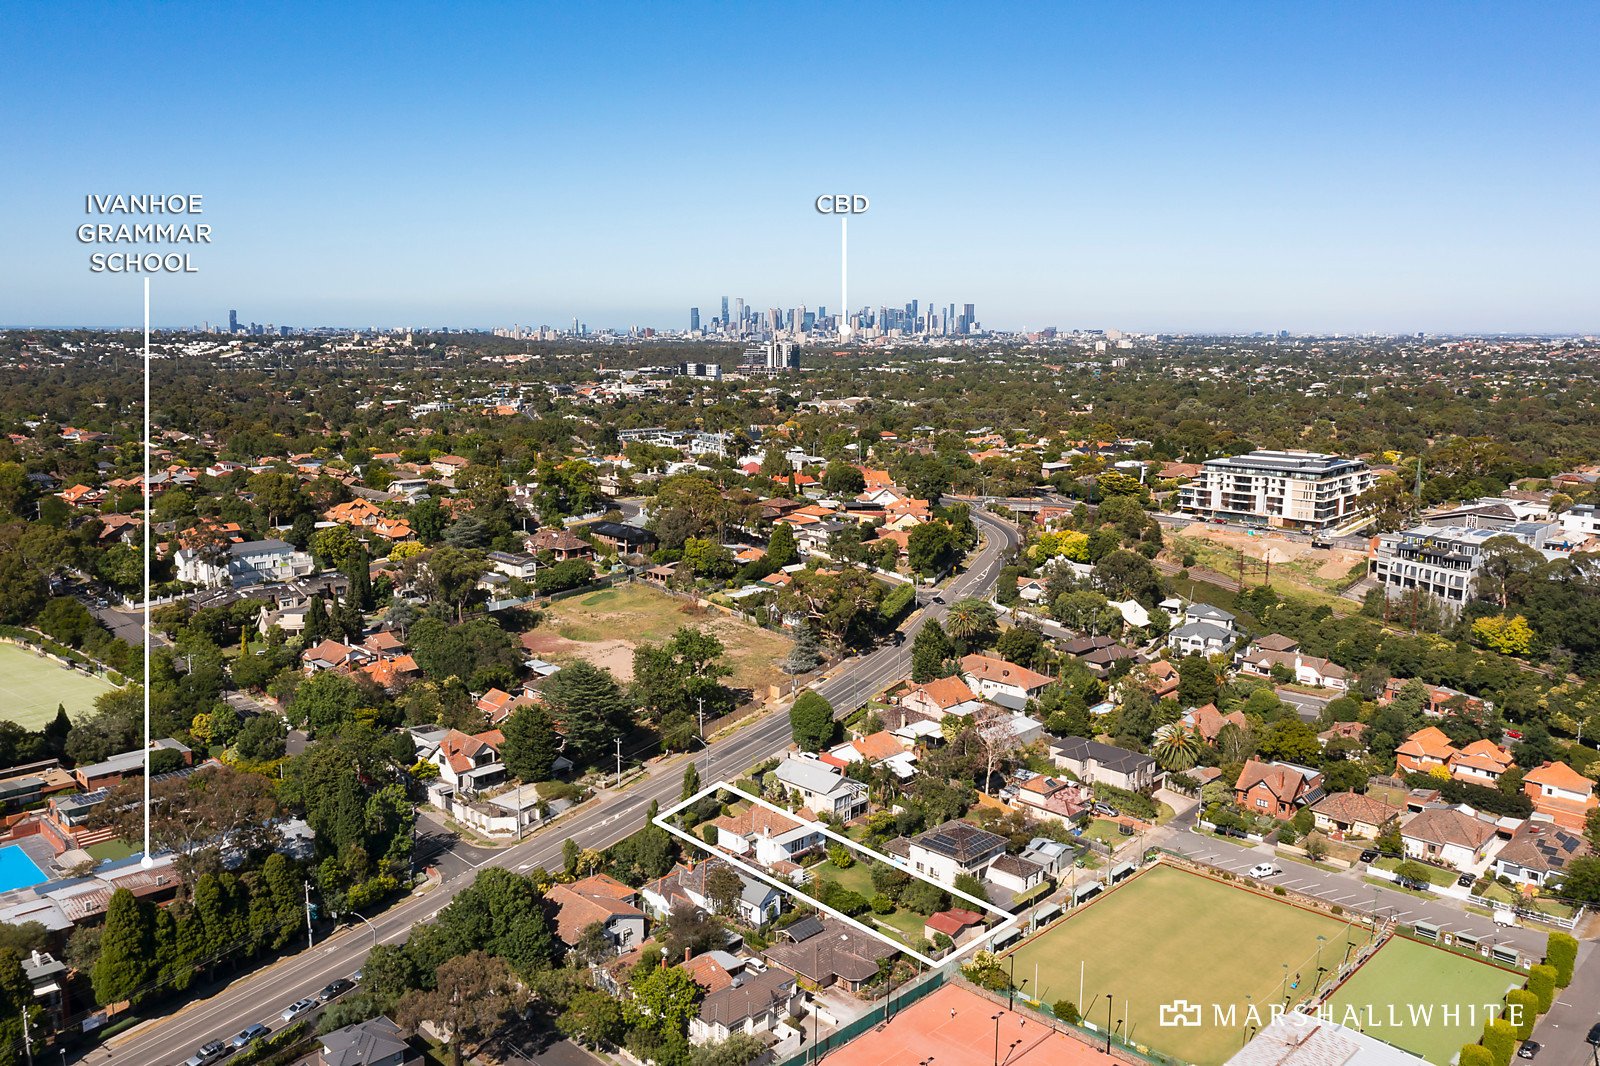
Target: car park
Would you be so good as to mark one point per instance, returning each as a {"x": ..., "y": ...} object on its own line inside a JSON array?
[
  {"x": 248, "y": 1037},
  {"x": 1264, "y": 869},
  {"x": 299, "y": 1007}
]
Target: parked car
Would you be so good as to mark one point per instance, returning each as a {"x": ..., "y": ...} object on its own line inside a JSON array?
[
  {"x": 1105, "y": 809},
  {"x": 1594, "y": 1034},
  {"x": 1528, "y": 1050},
  {"x": 1466, "y": 880},
  {"x": 299, "y": 1007},
  {"x": 207, "y": 1053},
  {"x": 335, "y": 988},
  {"x": 1264, "y": 869},
  {"x": 1412, "y": 883},
  {"x": 1369, "y": 855},
  {"x": 248, "y": 1037}
]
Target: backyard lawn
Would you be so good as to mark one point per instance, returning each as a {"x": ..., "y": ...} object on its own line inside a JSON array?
[
  {"x": 1106, "y": 832},
  {"x": 1169, "y": 936},
  {"x": 1421, "y": 982},
  {"x": 32, "y": 686}
]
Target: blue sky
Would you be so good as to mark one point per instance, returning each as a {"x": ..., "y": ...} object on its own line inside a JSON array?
[{"x": 1200, "y": 166}]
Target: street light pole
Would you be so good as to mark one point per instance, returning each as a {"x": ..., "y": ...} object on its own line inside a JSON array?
[{"x": 996, "y": 1019}]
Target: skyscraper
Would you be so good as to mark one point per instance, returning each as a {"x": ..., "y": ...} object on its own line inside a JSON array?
[
  {"x": 233, "y": 322},
  {"x": 724, "y": 312},
  {"x": 694, "y": 319}
]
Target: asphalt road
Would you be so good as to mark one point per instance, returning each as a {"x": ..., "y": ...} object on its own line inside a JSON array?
[
  {"x": 1562, "y": 1031},
  {"x": 607, "y": 818},
  {"x": 1348, "y": 889}
]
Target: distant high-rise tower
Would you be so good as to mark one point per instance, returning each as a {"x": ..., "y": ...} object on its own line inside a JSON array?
[
  {"x": 724, "y": 312},
  {"x": 233, "y": 322},
  {"x": 694, "y": 319},
  {"x": 738, "y": 313}
]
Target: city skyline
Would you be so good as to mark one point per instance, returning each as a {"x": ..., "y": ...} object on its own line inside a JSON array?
[{"x": 1160, "y": 169}]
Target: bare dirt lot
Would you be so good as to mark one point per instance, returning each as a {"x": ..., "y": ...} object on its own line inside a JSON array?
[
  {"x": 1329, "y": 564},
  {"x": 604, "y": 627}
]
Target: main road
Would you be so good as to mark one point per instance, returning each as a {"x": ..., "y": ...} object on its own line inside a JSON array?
[{"x": 607, "y": 818}]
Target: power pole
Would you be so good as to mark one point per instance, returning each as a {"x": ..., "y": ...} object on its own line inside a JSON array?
[
  {"x": 27, "y": 1036},
  {"x": 311, "y": 936},
  {"x": 619, "y": 761}
]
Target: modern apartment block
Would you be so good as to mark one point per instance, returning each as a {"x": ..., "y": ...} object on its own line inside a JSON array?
[
  {"x": 1292, "y": 490},
  {"x": 1444, "y": 560}
]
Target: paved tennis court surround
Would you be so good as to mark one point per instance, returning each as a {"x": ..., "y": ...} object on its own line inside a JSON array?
[
  {"x": 32, "y": 686},
  {"x": 1173, "y": 948}
]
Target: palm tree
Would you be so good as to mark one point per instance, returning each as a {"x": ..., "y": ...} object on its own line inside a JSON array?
[
  {"x": 1176, "y": 749},
  {"x": 968, "y": 618}
]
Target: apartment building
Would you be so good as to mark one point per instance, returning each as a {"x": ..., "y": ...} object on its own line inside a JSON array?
[
  {"x": 1444, "y": 560},
  {"x": 1291, "y": 490}
]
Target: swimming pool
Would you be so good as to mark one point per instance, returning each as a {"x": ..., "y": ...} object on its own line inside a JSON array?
[{"x": 17, "y": 870}]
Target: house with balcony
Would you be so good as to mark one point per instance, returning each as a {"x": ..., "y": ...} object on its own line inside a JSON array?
[
  {"x": 1443, "y": 561},
  {"x": 1483, "y": 762},
  {"x": 251, "y": 562},
  {"x": 822, "y": 788},
  {"x": 1002, "y": 682},
  {"x": 948, "y": 851},
  {"x": 752, "y": 1002},
  {"x": 773, "y": 840}
]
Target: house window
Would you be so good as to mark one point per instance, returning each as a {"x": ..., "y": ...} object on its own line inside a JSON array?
[{"x": 1261, "y": 803}]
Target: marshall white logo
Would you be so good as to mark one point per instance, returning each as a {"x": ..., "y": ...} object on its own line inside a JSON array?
[{"x": 1181, "y": 1013}]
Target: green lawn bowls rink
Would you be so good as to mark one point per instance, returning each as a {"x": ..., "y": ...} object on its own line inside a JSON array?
[
  {"x": 32, "y": 686},
  {"x": 1210, "y": 952}
]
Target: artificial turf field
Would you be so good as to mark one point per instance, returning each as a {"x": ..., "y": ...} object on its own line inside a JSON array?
[
  {"x": 1169, "y": 936},
  {"x": 31, "y": 686},
  {"x": 1424, "y": 978}
]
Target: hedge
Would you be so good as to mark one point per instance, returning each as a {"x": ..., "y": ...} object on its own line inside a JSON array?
[
  {"x": 1500, "y": 1040},
  {"x": 1561, "y": 952},
  {"x": 1475, "y": 1055},
  {"x": 1542, "y": 983},
  {"x": 1526, "y": 1007}
]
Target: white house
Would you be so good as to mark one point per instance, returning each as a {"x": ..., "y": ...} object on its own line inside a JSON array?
[
  {"x": 754, "y": 1002},
  {"x": 1132, "y": 612},
  {"x": 758, "y": 902},
  {"x": 1450, "y": 836},
  {"x": 947, "y": 851},
  {"x": 822, "y": 788},
  {"x": 1015, "y": 874},
  {"x": 251, "y": 562},
  {"x": 1003, "y": 682},
  {"x": 1204, "y": 630},
  {"x": 767, "y": 836}
]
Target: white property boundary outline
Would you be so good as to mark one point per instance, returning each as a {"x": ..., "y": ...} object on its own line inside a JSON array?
[{"x": 1011, "y": 921}]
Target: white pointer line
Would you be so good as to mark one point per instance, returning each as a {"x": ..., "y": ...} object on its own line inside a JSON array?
[{"x": 148, "y": 861}]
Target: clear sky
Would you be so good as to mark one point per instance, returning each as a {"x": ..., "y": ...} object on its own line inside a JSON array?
[{"x": 1194, "y": 165}]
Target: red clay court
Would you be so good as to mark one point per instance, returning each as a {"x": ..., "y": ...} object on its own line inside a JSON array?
[{"x": 955, "y": 1027}]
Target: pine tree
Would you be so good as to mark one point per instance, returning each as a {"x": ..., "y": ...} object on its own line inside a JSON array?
[
  {"x": 127, "y": 950},
  {"x": 691, "y": 781},
  {"x": 316, "y": 622},
  {"x": 355, "y": 570},
  {"x": 531, "y": 743},
  {"x": 806, "y": 654},
  {"x": 781, "y": 549},
  {"x": 590, "y": 705},
  {"x": 929, "y": 651}
]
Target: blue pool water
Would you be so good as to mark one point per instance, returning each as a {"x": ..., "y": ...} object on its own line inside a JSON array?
[{"x": 17, "y": 870}]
